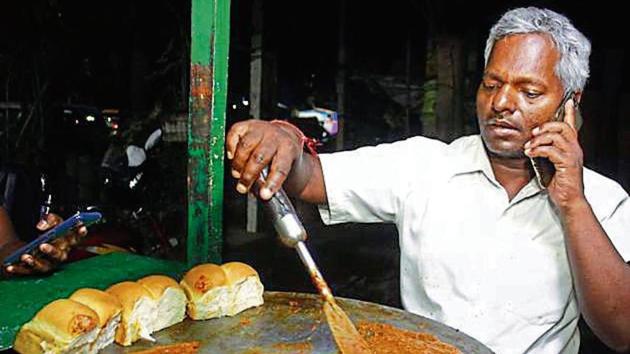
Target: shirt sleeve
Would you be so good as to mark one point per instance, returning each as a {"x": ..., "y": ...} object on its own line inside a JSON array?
[
  {"x": 617, "y": 227},
  {"x": 370, "y": 184}
]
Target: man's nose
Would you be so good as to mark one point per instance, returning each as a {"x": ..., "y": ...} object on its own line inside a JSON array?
[{"x": 504, "y": 100}]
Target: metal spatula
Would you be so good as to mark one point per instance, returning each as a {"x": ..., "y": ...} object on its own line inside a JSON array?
[{"x": 292, "y": 234}]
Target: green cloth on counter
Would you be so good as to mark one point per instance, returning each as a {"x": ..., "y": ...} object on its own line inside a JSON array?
[{"x": 21, "y": 298}]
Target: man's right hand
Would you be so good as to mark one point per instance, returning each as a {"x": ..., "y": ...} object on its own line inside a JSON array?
[{"x": 254, "y": 144}]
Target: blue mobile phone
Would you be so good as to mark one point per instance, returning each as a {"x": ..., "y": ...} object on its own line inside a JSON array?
[{"x": 81, "y": 218}]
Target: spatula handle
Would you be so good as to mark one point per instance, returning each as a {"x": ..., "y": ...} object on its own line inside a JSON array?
[{"x": 281, "y": 211}]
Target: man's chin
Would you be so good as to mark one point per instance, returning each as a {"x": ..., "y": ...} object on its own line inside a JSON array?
[
  {"x": 507, "y": 154},
  {"x": 506, "y": 151}
]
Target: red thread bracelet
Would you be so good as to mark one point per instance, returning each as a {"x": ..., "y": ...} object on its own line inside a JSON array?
[{"x": 310, "y": 143}]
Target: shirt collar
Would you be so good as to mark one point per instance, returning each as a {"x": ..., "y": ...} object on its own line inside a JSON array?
[{"x": 472, "y": 157}]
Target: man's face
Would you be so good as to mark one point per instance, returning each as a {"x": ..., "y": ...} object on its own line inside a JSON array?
[{"x": 519, "y": 91}]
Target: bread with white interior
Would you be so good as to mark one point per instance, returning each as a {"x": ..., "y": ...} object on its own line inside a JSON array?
[
  {"x": 139, "y": 312},
  {"x": 171, "y": 300},
  {"x": 108, "y": 309},
  {"x": 216, "y": 291},
  {"x": 245, "y": 287},
  {"x": 62, "y": 326}
]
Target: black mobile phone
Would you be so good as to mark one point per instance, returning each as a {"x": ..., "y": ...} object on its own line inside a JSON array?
[
  {"x": 543, "y": 168},
  {"x": 83, "y": 218}
]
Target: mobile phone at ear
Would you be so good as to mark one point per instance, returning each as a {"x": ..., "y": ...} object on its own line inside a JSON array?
[
  {"x": 559, "y": 115},
  {"x": 76, "y": 220},
  {"x": 543, "y": 168}
]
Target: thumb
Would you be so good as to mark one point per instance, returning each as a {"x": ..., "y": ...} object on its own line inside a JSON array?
[
  {"x": 48, "y": 221},
  {"x": 43, "y": 225}
]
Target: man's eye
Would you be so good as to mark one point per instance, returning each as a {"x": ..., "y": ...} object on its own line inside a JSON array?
[
  {"x": 489, "y": 86},
  {"x": 531, "y": 94}
]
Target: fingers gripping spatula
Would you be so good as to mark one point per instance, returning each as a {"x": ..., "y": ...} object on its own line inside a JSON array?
[{"x": 292, "y": 234}]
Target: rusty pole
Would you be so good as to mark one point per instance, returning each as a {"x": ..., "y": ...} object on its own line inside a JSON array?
[{"x": 210, "y": 34}]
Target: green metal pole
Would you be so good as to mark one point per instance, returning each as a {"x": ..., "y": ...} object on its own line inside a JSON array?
[{"x": 210, "y": 35}]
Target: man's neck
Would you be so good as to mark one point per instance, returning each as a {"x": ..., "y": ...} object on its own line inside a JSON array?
[{"x": 512, "y": 173}]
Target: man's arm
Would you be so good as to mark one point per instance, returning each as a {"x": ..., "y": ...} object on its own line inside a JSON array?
[
  {"x": 254, "y": 144},
  {"x": 600, "y": 276},
  {"x": 8, "y": 239}
]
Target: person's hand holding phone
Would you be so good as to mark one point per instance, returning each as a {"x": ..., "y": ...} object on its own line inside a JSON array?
[
  {"x": 49, "y": 255},
  {"x": 558, "y": 142}
]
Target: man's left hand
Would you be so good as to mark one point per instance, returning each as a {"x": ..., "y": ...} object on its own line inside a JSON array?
[
  {"x": 50, "y": 254},
  {"x": 558, "y": 142}
]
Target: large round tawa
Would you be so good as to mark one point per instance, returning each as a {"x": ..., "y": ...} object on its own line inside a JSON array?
[{"x": 293, "y": 323}]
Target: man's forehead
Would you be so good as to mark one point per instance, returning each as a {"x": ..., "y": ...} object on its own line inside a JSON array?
[
  {"x": 515, "y": 77},
  {"x": 525, "y": 57}
]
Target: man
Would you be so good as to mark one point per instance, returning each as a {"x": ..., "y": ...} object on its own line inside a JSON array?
[
  {"x": 51, "y": 254},
  {"x": 484, "y": 247}
]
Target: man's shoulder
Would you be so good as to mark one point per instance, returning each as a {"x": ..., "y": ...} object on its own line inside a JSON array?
[
  {"x": 437, "y": 160},
  {"x": 417, "y": 148},
  {"x": 603, "y": 193},
  {"x": 418, "y": 156},
  {"x": 421, "y": 142},
  {"x": 464, "y": 144},
  {"x": 595, "y": 182},
  {"x": 438, "y": 153},
  {"x": 432, "y": 145}
]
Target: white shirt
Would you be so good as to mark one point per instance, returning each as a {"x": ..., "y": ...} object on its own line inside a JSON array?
[{"x": 470, "y": 258}]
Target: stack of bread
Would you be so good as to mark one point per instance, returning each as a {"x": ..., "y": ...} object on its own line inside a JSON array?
[{"x": 91, "y": 319}]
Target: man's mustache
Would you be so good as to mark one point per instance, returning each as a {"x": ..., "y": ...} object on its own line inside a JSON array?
[{"x": 504, "y": 121}]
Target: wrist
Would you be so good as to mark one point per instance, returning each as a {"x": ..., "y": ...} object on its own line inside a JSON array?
[
  {"x": 8, "y": 240},
  {"x": 575, "y": 208},
  {"x": 290, "y": 129},
  {"x": 8, "y": 247},
  {"x": 302, "y": 140}
]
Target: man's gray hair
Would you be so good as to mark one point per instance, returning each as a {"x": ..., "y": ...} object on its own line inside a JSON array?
[{"x": 573, "y": 46}]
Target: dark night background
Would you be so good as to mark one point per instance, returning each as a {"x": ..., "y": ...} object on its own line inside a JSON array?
[{"x": 133, "y": 56}]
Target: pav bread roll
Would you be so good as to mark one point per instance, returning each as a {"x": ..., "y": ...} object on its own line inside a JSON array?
[
  {"x": 216, "y": 291},
  {"x": 171, "y": 300},
  {"x": 245, "y": 287},
  {"x": 138, "y": 312},
  {"x": 108, "y": 309},
  {"x": 206, "y": 289},
  {"x": 62, "y": 326}
]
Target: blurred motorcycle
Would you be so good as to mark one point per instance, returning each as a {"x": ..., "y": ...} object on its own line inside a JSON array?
[
  {"x": 131, "y": 193},
  {"x": 315, "y": 122},
  {"x": 319, "y": 123}
]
